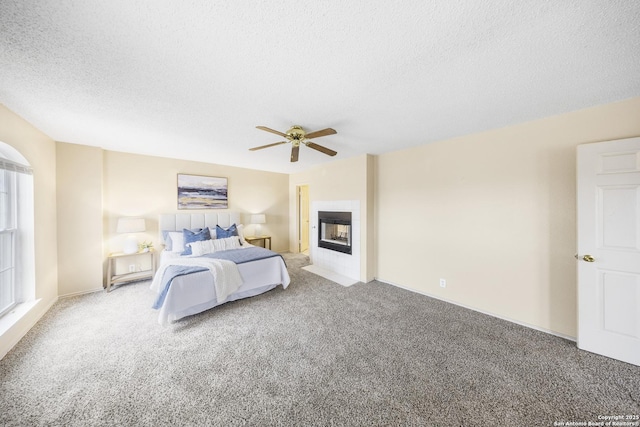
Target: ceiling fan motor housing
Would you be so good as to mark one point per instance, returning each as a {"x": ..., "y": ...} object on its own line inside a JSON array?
[{"x": 296, "y": 133}]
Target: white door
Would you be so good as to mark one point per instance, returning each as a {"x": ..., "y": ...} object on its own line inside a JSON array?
[{"x": 609, "y": 249}]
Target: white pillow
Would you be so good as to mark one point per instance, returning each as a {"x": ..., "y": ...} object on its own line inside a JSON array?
[
  {"x": 210, "y": 246},
  {"x": 227, "y": 243},
  {"x": 177, "y": 241},
  {"x": 232, "y": 243},
  {"x": 240, "y": 228},
  {"x": 201, "y": 247}
]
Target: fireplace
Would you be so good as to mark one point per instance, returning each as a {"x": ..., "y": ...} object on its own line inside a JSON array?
[{"x": 334, "y": 231}]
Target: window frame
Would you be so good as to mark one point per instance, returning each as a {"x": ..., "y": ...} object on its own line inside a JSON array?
[
  {"x": 16, "y": 216},
  {"x": 10, "y": 301}
]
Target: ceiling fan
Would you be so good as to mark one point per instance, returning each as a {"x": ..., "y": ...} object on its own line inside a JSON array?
[{"x": 296, "y": 136}]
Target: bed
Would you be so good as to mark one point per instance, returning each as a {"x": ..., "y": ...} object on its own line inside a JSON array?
[{"x": 194, "y": 292}]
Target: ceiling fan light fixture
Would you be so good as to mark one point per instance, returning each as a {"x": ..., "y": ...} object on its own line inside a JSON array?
[{"x": 296, "y": 132}]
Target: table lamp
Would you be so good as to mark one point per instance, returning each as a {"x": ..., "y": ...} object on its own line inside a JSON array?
[{"x": 130, "y": 226}]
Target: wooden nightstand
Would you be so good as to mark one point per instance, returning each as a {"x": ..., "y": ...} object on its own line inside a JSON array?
[
  {"x": 264, "y": 239},
  {"x": 130, "y": 276}
]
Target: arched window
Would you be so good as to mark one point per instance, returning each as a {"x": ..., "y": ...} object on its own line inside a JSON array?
[{"x": 17, "y": 266}]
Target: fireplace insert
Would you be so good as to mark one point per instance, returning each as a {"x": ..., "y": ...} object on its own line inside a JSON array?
[{"x": 334, "y": 231}]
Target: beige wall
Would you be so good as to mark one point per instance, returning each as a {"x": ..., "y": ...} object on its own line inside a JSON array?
[
  {"x": 40, "y": 151},
  {"x": 348, "y": 179},
  {"x": 79, "y": 201},
  {"x": 493, "y": 214}
]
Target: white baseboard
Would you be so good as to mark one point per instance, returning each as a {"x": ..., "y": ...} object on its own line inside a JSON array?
[
  {"x": 527, "y": 325},
  {"x": 75, "y": 294}
]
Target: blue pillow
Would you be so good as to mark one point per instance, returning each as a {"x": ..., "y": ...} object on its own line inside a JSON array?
[
  {"x": 194, "y": 236},
  {"x": 221, "y": 233},
  {"x": 166, "y": 237}
]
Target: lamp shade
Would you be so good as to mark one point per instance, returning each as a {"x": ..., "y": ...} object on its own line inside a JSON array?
[
  {"x": 130, "y": 225},
  {"x": 258, "y": 219}
]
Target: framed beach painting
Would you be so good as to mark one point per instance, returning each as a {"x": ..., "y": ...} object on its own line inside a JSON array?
[{"x": 202, "y": 192}]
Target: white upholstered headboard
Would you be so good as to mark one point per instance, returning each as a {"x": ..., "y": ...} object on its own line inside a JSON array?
[{"x": 179, "y": 221}]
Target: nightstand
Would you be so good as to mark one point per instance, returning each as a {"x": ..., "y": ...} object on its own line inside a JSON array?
[
  {"x": 251, "y": 239},
  {"x": 134, "y": 261}
]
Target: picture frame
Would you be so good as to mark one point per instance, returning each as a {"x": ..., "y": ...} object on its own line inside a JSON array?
[{"x": 202, "y": 192}]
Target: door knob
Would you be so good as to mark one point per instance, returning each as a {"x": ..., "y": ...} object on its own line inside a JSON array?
[{"x": 588, "y": 258}]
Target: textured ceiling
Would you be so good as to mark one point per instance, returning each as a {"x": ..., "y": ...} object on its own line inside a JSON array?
[{"x": 192, "y": 79}]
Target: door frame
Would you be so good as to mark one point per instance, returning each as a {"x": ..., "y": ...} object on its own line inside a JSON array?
[{"x": 300, "y": 215}]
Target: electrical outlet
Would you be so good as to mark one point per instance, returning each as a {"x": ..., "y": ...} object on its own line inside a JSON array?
[
  {"x": 132, "y": 268},
  {"x": 443, "y": 283}
]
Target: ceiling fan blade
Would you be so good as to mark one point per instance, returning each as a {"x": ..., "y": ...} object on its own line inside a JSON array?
[
  {"x": 294, "y": 153},
  {"x": 267, "y": 146},
  {"x": 322, "y": 149},
  {"x": 319, "y": 133},
  {"x": 272, "y": 131}
]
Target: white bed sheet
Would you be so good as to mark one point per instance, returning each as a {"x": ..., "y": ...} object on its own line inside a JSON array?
[{"x": 194, "y": 293}]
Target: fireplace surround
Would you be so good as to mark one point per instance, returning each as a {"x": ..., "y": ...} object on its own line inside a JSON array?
[{"x": 343, "y": 264}]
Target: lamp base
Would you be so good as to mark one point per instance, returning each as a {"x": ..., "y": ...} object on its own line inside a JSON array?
[
  {"x": 258, "y": 230},
  {"x": 130, "y": 245}
]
